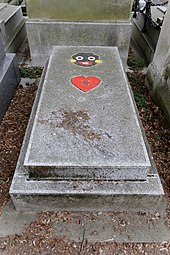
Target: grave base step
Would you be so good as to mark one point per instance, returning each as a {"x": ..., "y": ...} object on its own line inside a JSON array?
[{"x": 29, "y": 195}]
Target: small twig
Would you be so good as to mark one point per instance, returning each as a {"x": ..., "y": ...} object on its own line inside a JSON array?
[
  {"x": 107, "y": 240},
  {"x": 83, "y": 241}
]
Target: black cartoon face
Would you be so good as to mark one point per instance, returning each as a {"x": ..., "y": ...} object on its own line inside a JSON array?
[{"x": 85, "y": 59}]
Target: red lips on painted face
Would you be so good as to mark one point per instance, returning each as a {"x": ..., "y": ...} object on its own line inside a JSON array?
[
  {"x": 85, "y": 63},
  {"x": 85, "y": 83}
]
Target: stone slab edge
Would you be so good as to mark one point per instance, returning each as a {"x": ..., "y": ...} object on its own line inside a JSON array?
[
  {"x": 8, "y": 61},
  {"x": 2, "y": 51},
  {"x": 29, "y": 195},
  {"x": 9, "y": 10},
  {"x": 2, "y": 6},
  {"x": 16, "y": 38},
  {"x": 153, "y": 168}
]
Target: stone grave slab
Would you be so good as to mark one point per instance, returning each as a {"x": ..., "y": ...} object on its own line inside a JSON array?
[
  {"x": 86, "y": 125},
  {"x": 84, "y": 148}
]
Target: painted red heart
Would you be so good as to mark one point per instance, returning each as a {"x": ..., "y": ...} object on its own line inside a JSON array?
[{"x": 85, "y": 83}]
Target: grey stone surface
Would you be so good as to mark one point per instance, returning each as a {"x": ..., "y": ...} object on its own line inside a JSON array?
[
  {"x": 15, "y": 2},
  {"x": 43, "y": 195},
  {"x": 158, "y": 73},
  {"x": 12, "y": 222},
  {"x": 42, "y": 35},
  {"x": 113, "y": 227},
  {"x": 87, "y": 135},
  {"x": 56, "y": 195},
  {"x": 146, "y": 42},
  {"x": 11, "y": 15},
  {"x": 71, "y": 22},
  {"x": 12, "y": 25},
  {"x": 91, "y": 226},
  {"x": 2, "y": 52},
  {"x": 19, "y": 35},
  {"x": 75, "y": 10},
  {"x": 27, "y": 81},
  {"x": 2, "y": 5},
  {"x": 9, "y": 78},
  {"x": 36, "y": 195},
  {"x": 161, "y": 94}
]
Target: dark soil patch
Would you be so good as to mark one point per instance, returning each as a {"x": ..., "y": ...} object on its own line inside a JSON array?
[{"x": 12, "y": 130}]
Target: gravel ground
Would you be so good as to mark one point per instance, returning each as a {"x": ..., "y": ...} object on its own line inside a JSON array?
[{"x": 39, "y": 236}]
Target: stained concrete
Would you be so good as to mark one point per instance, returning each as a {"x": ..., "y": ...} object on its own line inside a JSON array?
[{"x": 75, "y": 10}]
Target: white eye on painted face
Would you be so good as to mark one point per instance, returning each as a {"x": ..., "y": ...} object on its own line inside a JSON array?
[
  {"x": 91, "y": 58},
  {"x": 79, "y": 58}
]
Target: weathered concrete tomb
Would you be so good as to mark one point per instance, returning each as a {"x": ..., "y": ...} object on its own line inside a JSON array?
[
  {"x": 75, "y": 22},
  {"x": 9, "y": 78},
  {"x": 84, "y": 148}
]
